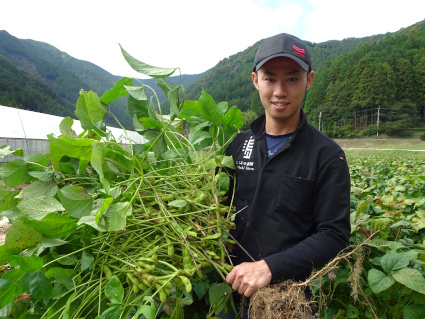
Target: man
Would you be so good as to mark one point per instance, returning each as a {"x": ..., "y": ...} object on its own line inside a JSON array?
[{"x": 292, "y": 182}]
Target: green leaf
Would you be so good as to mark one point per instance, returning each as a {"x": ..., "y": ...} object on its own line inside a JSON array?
[
  {"x": 172, "y": 93},
  {"x": 91, "y": 221},
  {"x": 73, "y": 147},
  {"x": 88, "y": 124},
  {"x": 20, "y": 236},
  {"x": 156, "y": 138},
  {"x": 209, "y": 110},
  {"x": 28, "y": 264},
  {"x": 117, "y": 222},
  {"x": 12, "y": 284},
  {"x": 200, "y": 288},
  {"x": 124, "y": 208},
  {"x": 218, "y": 295},
  {"x": 113, "y": 312},
  {"x": 54, "y": 225},
  {"x": 200, "y": 140},
  {"x": 148, "y": 123},
  {"x": 39, "y": 207},
  {"x": 147, "y": 310},
  {"x": 189, "y": 109},
  {"x": 394, "y": 261},
  {"x": 76, "y": 201},
  {"x": 414, "y": 312},
  {"x": 62, "y": 275},
  {"x": 39, "y": 189},
  {"x": 3, "y": 255},
  {"x": 411, "y": 278},
  {"x": 384, "y": 245},
  {"x": 7, "y": 150},
  {"x": 66, "y": 260},
  {"x": 95, "y": 109},
  {"x": 40, "y": 287},
  {"x": 117, "y": 91},
  {"x": 137, "y": 109},
  {"x": 5, "y": 311},
  {"x": 233, "y": 118},
  {"x": 175, "y": 153},
  {"x": 114, "y": 290},
  {"x": 87, "y": 260},
  {"x": 378, "y": 281},
  {"x": 352, "y": 311},
  {"x": 65, "y": 127},
  {"x": 105, "y": 203},
  {"x": 227, "y": 161},
  {"x": 44, "y": 175},
  {"x": 11, "y": 214},
  {"x": 52, "y": 242},
  {"x": 146, "y": 69},
  {"x": 137, "y": 92},
  {"x": 15, "y": 173}
]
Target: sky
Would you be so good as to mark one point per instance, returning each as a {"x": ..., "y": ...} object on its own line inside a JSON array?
[{"x": 193, "y": 35}]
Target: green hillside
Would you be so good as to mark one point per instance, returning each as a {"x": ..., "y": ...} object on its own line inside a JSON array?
[
  {"x": 20, "y": 89},
  {"x": 387, "y": 75},
  {"x": 64, "y": 75}
]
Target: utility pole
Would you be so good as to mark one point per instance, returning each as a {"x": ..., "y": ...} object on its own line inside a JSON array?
[
  {"x": 320, "y": 120},
  {"x": 377, "y": 121}
]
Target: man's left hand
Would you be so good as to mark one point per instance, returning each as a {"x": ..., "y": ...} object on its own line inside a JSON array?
[{"x": 247, "y": 278}]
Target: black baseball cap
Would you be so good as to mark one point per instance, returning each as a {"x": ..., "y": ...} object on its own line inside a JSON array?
[{"x": 283, "y": 45}]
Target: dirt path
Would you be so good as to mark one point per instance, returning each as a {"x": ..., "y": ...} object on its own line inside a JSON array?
[{"x": 4, "y": 226}]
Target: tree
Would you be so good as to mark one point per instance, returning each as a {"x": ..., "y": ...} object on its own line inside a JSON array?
[
  {"x": 382, "y": 87},
  {"x": 404, "y": 81},
  {"x": 363, "y": 92},
  {"x": 256, "y": 105},
  {"x": 420, "y": 87}
]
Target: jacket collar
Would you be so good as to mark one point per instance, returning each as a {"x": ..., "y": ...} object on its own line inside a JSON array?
[{"x": 258, "y": 125}]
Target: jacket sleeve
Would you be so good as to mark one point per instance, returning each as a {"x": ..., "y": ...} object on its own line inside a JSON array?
[{"x": 331, "y": 212}]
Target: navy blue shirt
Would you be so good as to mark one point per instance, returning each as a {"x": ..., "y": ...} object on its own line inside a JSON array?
[{"x": 274, "y": 142}]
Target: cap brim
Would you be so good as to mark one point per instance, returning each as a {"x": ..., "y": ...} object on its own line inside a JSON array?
[{"x": 301, "y": 63}]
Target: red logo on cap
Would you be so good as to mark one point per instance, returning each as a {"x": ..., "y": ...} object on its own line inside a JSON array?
[{"x": 298, "y": 51}]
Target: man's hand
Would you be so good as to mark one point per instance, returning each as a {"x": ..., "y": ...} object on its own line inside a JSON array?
[{"x": 247, "y": 278}]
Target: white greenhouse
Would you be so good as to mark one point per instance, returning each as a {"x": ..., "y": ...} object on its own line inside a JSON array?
[{"x": 27, "y": 130}]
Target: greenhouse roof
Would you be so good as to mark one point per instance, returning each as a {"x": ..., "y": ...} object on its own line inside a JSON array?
[{"x": 22, "y": 124}]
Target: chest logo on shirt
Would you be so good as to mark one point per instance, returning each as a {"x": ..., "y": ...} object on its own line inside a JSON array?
[{"x": 248, "y": 147}]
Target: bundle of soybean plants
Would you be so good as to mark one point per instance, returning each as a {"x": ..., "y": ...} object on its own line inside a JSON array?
[{"x": 101, "y": 229}]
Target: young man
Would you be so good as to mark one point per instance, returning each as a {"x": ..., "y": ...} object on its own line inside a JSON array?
[{"x": 292, "y": 182}]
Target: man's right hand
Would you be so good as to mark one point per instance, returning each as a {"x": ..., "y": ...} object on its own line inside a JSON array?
[{"x": 247, "y": 278}]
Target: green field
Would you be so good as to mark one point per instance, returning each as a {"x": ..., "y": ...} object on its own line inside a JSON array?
[{"x": 384, "y": 277}]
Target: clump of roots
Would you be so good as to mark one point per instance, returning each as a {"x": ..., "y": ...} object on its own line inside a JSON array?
[
  {"x": 283, "y": 300},
  {"x": 288, "y": 300}
]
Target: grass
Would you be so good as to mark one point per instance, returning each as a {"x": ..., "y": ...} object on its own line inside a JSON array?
[{"x": 383, "y": 147}]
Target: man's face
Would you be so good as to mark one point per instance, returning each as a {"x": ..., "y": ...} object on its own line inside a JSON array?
[{"x": 282, "y": 84}]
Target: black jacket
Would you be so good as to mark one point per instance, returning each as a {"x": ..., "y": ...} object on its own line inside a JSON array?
[{"x": 295, "y": 206}]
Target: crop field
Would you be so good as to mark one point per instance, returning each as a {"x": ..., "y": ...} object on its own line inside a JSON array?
[{"x": 384, "y": 275}]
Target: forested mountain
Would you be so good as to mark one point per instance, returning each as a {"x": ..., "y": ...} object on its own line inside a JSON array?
[
  {"x": 51, "y": 70},
  {"x": 353, "y": 78},
  {"x": 20, "y": 89},
  {"x": 387, "y": 75}
]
